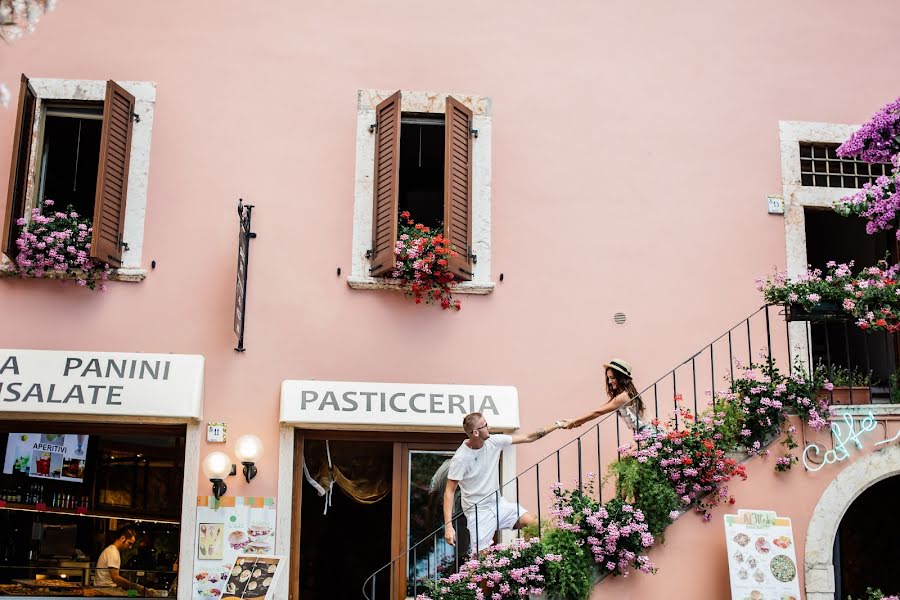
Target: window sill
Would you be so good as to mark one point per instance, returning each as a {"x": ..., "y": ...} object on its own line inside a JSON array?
[
  {"x": 378, "y": 283},
  {"x": 877, "y": 410},
  {"x": 131, "y": 275}
]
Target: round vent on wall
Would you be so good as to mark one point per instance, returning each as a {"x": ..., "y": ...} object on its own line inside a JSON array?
[{"x": 619, "y": 318}]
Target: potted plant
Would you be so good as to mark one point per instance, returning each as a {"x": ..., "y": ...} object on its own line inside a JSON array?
[
  {"x": 849, "y": 386},
  {"x": 423, "y": 263}
]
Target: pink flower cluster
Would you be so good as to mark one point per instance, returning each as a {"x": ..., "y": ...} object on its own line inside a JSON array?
[
  {"x": 878, "y": 139},
  {"x": 502, "y": 571},
  {"x": 58, "y": 241},
  {"x": 878, "y": 203},
  {"x": 616, "y": 531}
]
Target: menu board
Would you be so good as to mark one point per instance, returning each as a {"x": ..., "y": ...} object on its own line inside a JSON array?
[
  {"x": 51, "y": 455},
  {"x": 253, "y": 577},
  {"x": 761, "y": 557},
  {"x": 230, "y": 528}
]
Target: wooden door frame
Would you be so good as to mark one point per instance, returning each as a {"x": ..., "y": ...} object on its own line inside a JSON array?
[{"x": 402, "y": 443}]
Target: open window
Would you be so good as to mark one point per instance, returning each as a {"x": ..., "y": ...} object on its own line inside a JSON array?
[
  {"x": 423, "y": 164},
  {"x": 77, "y": 153}
]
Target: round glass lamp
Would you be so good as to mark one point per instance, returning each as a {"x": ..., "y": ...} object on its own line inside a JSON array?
[
  {"x": 249, "y": 449},
  {"x": 216, "y": 467}
]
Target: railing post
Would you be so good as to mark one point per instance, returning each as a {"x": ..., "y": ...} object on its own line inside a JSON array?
[
  {"x": 537, "y": 483},
  {"x": 694, "y": 373},
  {"x": 749, "y": 344},
  {"x": 768, "y": 336},
  {"x": 579, "y": 464},
  {"x": 712, "y": 370},
  {"x": 599, "y": 468},
  {"x": 675, "y": 397},
  {"x": 730, "y": 357}
]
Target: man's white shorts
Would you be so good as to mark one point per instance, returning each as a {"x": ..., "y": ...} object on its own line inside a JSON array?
[{"x": 488, "y": 511}]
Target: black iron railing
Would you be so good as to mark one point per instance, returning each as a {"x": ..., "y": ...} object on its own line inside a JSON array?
[{"x": 803, "y": 344}]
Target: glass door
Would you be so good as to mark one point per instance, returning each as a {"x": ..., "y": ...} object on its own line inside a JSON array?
[{"x": 424, "y": 478}]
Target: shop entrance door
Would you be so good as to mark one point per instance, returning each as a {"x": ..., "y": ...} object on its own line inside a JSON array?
[{"x": 384, "y": 499}]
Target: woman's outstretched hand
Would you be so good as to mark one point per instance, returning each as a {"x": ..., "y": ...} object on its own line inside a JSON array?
[{"x": 569, "y": 423}]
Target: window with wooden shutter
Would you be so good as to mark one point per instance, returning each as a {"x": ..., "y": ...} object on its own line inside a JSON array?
[
  {"x": 112, "y": 176},
  {"x": 18, "y": 175},
  {"x": 458, "y": 186},
  {"x": 386, "y": 195}
]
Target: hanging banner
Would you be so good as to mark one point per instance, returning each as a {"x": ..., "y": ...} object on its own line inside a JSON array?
[
  {"x": 761, "y": 557},
  {"x": 240, "y": 286}
]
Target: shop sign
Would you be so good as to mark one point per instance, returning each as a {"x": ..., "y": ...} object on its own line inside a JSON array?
[
  {"x": 374, "y": 405},
  {"x": 101, "y": 383},
  {"x": 850, "y": 433},
  {"x": 761, "y": 557}
]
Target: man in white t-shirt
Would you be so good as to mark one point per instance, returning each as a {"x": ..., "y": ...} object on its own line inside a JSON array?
[
  {"x": 107, "y": 574},
  {"x": 474, "y": 468}
]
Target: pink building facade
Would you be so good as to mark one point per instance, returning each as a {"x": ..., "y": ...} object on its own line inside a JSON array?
[{"x": 618, "y": 205}]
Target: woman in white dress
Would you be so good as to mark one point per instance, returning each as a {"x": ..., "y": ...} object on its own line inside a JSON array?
[{"x": 623, "y": 398}]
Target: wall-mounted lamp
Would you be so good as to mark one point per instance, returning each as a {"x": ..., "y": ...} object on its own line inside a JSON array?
[
  {"x": 248, "y": 449},
  {"x": 216, "y": 467}
]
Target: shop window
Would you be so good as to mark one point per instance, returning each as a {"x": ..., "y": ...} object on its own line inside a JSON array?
[
  {"x": 74, "y": 143},
  {"x": 428, "y": 154}
]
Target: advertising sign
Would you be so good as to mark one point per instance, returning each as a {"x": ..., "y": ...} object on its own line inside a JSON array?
[
  {"x": 761, "y": 557},
  {"x": 52, "y": 455}
]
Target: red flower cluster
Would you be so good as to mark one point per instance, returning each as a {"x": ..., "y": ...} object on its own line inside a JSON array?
[{"x": 423, "y": 263}]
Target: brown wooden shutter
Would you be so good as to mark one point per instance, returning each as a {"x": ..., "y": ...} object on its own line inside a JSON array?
[
  {"x": 386, "y": 195},
  {"x": 458, "y": 186},
  {"x": 112, "y": 176},
  {"x": 18, "y": 172}
]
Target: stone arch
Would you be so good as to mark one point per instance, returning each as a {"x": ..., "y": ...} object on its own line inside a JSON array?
[{"x": 837, "y": 498}]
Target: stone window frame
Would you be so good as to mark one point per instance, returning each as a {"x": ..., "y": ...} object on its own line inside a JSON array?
[
  {"x": 86, "y": 90},
  {"x": 798, "y": 197},
  {"x": 421, "y": 102}
]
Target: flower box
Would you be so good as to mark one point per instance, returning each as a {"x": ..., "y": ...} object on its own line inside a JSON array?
[
  {"x": 842, "y": 395},
  {"x": 819, "y": 312}
]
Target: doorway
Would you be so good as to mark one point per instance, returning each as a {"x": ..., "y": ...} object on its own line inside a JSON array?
[
  {"x": 870, "y": 523},
  {"x": 363, "y": 499}
]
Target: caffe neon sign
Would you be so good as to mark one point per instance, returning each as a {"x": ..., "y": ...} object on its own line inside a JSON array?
[{"x": 850, "y": 432}]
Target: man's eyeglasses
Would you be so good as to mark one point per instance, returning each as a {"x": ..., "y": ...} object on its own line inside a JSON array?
[{"x": 479, "y": 428}]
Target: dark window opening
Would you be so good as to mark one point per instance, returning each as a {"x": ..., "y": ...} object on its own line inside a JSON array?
[
  {"x": 830, "y": 236},
  {"x": 70, "y": 156},
  {"x": 422, "y": 168},
  {"x": 820, "y": 166},
  {"x": 869, "y": 523}
]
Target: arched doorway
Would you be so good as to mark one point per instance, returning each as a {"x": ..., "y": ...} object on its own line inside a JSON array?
[
  {"x": 829, "y": 513},
  {"x": 866, "y": 548}
]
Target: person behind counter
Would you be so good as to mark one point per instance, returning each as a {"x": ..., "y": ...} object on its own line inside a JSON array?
[{"x": 107, "y": 574}]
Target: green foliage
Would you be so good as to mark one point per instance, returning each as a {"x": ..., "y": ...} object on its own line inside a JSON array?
[
  {"x": 874, "y": 594},
  {"x": 732, "y": 421},
  {"x": 531, "y": 531},
  {"x": 845, "y": 377},
  {"x": 645, "y": 485},
  {"x": 572, "y": 578},
  {"x": 895, "y": 387}
]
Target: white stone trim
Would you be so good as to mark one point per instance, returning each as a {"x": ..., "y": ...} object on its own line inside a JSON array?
[
  {"x": 861, "y": 410},
  {"x": 798, "y": 197},
  {"x": 139, "y": 165},
  {"x": 377, "y": 283},
  {"x": 284, "y": 504},
  {"x": 827, "y": 516},
  {"x": 422, "y": 102}
]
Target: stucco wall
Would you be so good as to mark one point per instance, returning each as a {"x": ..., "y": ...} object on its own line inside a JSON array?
[{"x": 633, "y": 147}]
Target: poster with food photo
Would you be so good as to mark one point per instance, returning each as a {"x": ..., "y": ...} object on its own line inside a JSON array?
[
  {"x": 228, "y": 528},
  {"x": 252, "y": 576},
  {"x": 762, "y": 561}
]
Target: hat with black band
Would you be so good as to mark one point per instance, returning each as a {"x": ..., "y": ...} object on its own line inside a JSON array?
[{"x": 620, "y": 366}]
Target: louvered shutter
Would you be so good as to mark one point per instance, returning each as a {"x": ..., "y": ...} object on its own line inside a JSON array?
[
  {"x": 112, "y": 176},
  {"x": 18, "y": 172},
  {"x": 386, "y": 195},
  {"x": 458, "y": 186}
]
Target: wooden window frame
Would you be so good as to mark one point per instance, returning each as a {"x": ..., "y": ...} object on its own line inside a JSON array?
[
  {"x": 418, "y": 102},
  {"x": 59, "y": 91}
]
